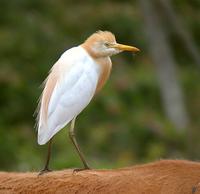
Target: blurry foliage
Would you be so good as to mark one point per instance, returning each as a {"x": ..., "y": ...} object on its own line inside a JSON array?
[{"x": 125, "y": 123}]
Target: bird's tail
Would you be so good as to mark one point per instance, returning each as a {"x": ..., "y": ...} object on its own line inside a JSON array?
[
  {"x": 43, "y": 135},
  {"x": 45, "y": 132}
]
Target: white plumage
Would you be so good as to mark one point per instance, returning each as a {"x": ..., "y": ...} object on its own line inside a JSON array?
[{"x": 74, "y": 89}]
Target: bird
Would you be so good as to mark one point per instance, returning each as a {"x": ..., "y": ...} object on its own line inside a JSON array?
[{"x": 76, "y": 77}]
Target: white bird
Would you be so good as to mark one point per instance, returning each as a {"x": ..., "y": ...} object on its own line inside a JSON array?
[{"x": 74, "y": 79}]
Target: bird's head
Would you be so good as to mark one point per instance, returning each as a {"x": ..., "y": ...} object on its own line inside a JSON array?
[{"x": 103, "y": 44}]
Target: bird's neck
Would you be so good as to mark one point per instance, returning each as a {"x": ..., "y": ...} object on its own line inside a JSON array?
[
  {"x": 104, "y": 63},
  {"x": 89, "y": 50}
]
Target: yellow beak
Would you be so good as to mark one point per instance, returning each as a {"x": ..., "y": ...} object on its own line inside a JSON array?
[{"x": 125, "y": 47}]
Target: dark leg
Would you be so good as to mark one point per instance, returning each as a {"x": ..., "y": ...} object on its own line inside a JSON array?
[
  {"x": 73, "y": 139},
  {"x": 46, "y": 167}
]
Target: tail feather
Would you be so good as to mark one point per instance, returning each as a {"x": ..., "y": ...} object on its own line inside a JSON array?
[{"x": 45, "y": 133}]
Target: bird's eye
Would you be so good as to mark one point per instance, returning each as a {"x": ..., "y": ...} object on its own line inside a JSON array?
[{"x": 106, "y": 44}]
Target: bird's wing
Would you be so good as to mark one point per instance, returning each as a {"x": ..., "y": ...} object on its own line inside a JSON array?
[{"x": 76, "y": 80}]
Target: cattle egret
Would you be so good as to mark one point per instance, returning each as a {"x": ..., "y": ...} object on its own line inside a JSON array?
[{"x": 74, "y": 79}]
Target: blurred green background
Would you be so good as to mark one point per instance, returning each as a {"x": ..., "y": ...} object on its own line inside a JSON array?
[{"x": 148, "y": 110}]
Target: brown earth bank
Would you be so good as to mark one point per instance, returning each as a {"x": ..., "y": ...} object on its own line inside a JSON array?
[{"x": 161, "y": 177}]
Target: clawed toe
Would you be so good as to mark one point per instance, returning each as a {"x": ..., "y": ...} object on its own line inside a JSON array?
[
  {"x": 80, "y": 169},
  {"x": 44, "y": 171}
]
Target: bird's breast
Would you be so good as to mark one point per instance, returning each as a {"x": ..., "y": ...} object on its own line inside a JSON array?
[{"x": 105, "y": 66}]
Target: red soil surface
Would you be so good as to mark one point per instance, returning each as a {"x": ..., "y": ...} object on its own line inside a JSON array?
[{"x": 162, "y": 177}]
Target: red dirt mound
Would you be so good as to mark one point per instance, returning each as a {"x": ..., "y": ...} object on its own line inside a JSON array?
[{"x": 162, "y": 177}]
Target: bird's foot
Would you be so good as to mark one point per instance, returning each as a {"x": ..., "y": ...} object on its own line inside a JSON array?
[
  {"x": 44, "y": 171},
  {"x": 81, "y": 169}
]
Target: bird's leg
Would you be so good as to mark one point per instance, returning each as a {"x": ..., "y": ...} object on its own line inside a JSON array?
[
  {"x": 46, "y": 167},
  {"x": 73, "y": 139}
]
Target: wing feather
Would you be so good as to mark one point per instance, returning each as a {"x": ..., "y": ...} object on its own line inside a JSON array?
[{"x": 75, "y": 81}]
